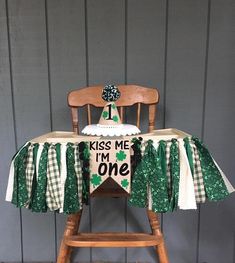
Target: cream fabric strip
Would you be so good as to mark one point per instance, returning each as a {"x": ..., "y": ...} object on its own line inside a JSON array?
[
  {"x": 40, "y": 148},
  {"x": 186, "y": 187},
  {"x": 10, "y": 185},
  {"x": 63, "y": 173}
]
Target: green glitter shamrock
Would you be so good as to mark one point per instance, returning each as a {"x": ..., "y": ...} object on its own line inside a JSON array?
[
  {"x": 115, "y": 118},
  {"x": 105, "y": 114},
  {"x": 120, "y": 155},
  {"x": 96, "y": 180},
  {"x": 124, "y": 183},
  {"x": 114, "y": 106}
]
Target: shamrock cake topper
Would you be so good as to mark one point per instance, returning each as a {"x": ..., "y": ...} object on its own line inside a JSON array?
[{"x": 110, "y": 93}]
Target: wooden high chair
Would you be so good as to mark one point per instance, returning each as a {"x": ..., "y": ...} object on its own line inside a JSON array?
[{"x": 130, "y": 95}]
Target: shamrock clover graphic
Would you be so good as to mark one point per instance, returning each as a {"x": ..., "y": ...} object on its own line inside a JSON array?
[
  {"x": 96, "y": 180},
  {"x": 120, "y": 155},
  {"x": 105, "y": 114},
  {"x": 115, "y": 118},
  {"x": 114, "y": 106},
  {"x": 124, "y": 183}
]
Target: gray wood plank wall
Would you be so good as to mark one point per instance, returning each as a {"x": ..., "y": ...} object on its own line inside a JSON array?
[{"x": 185, "y": 48}]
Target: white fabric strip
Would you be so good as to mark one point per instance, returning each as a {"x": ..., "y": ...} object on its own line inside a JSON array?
[
  {"x": 40, "y": 148},
  {"x": 186, "y": 187},
  {"x": 229, "y": 186},
  {"x": 63, "y": 173},
  {"x": 10, "y": 185},
  {"x": 150, "y": 200}
]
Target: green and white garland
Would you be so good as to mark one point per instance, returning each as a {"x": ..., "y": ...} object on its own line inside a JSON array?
[{"x": 168, "y": 174}]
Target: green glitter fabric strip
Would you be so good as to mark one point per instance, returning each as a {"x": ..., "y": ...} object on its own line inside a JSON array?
[
  {"x": 71, "y": 200},
  {"x": 39, "y": 197},
  {"x": 189, "y": 154},
  {"x": 158, "y": 179},
  {"x": 85, "y": 157},
  {"x": 214, "y": 183},
  {"x": 140, "y": 179},
  {"x": 175, "y": 174},
  {"x": 20, "y": 193}
]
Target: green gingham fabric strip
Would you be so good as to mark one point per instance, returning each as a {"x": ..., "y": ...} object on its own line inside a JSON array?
[
  {"x": 199, "y": 187},
  {"x": 78, "y": 171},
  {"x": 53, "y": 192},
  {"x": 30, "y": 169},
  {"x": 34, "y": 182},
  {"x": 168, "y": 168}
]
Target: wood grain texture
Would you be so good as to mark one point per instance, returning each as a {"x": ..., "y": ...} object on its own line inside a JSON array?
[
  {"x": 187, "y": 24},
  {"x": 10, "y": 217},
  {"x": 218, "y": 219},
  {"x": 32, "y": 108}
]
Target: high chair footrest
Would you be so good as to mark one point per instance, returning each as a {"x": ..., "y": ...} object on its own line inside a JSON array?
[{"x": 112, "y": 240}]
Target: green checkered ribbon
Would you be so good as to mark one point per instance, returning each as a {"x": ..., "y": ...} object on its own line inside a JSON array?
[
  {"x": 30, "y": 172},
  {"x": 53, "y": 194},
  {"x": 71, "y": 200},
  {"x": 78, "y": 171},
  {"x": 198, "y": 181},
  {"x": 168, "y": 168}
]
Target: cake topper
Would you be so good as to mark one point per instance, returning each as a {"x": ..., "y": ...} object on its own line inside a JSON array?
[{"x": 110, "y": 123}]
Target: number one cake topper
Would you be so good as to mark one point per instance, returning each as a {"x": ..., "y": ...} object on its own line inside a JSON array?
[
  {"x": 110, "y": 123},
  {"x": 110, "y": 115}
]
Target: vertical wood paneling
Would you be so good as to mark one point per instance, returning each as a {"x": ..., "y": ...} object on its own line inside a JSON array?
[
  {"x": 32, "y": 110},
  {"x": 67, "y": 67},
  {"x": 105, "y": 25},
  {"x": 187, "y": 24},
  {"x": 145, "y": 66},
  {"x": 56, "y": 46},
  {"x": 217, "y": 225},
  {"x": 10, "y": 217},
  {"x": 66, "y": 27},
  {"x": 146, "y": 47}
]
